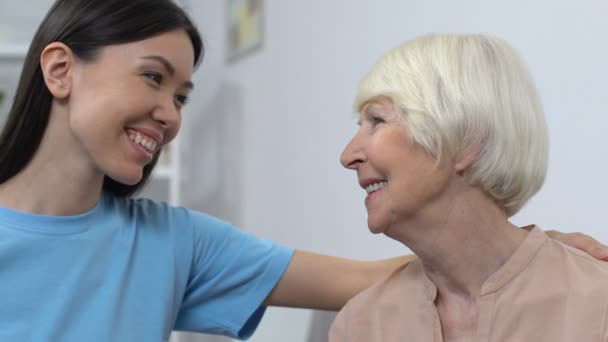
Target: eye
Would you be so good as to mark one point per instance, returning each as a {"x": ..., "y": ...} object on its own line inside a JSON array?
[
  {"x": 154, "y": 76},
  {"x": 181, "y": 100},
  {"x": 376, "y": 120}
]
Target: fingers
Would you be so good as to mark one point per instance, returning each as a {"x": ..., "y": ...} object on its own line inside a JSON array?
[{"x": 583, "y": 242}]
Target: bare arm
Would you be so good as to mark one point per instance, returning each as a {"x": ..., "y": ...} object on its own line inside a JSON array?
[{"x": 322, "y": 282}]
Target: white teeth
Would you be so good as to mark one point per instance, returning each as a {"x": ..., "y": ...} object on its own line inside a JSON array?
[
  {"x": 375, "y": 187},
  {"x": 143, "y": 141}
]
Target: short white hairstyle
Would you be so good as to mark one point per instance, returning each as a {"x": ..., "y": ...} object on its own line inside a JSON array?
[{"x": 462, "y": 94}]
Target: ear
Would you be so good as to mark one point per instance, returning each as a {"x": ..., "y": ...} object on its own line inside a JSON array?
[
  {"x": 56, "y": 62},
  {"x": 466, "y": 160}
]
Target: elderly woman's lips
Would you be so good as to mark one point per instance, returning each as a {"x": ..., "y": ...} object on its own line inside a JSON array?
[{"x": 373, "y": 195}]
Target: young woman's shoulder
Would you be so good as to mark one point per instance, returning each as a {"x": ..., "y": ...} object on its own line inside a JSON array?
[{"x": 144, "y": 212}]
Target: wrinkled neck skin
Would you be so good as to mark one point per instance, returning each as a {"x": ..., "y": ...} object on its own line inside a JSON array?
[
  {"x": 56, "y": 181},
  {"x": 461, "y": 239}
]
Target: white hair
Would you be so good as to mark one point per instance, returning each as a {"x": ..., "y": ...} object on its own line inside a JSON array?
[{"x": 468, "y": 94}]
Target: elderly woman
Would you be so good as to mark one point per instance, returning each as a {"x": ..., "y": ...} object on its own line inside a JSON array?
[{"x": 452, "y": 143}]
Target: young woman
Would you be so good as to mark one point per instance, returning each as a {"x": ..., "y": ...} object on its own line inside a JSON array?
[{"x": 101, "y": 92}]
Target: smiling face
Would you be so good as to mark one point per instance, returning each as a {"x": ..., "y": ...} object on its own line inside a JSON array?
[
  {"x": 126, "y": 104},
  {"x": 401, "y": 179}
]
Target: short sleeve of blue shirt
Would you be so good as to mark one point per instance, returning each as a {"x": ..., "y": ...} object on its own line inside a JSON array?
[{"x": 232, "y": 273}]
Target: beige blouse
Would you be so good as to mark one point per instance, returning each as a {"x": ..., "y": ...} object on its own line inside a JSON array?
[{"x": 546, "y": 291}]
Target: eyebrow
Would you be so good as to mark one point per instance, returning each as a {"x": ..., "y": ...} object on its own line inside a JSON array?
[{"x": 169, "y": 67}]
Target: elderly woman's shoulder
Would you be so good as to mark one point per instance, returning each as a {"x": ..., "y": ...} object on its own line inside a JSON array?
[
  {"x": 564, "y": 283},
  {"x": 408, "y": 281},
  {"x": 574, "y": 266},
  {"x": 541, "y": 260},
  {"x": 383, "y": 304}
]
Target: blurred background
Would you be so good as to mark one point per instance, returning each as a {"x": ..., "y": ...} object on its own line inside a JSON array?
[{"x": 272, "y": 110}]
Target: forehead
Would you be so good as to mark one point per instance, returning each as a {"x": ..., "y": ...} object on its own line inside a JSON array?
[{"x": 174, "y": 46}]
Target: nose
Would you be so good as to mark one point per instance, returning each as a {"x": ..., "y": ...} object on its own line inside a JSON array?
[
  {"x": 168, "y": 115},
  {"x": 353, "y": 155}
]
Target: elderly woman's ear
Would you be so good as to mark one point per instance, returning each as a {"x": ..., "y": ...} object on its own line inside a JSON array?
[{"x": 466, "y": 160}]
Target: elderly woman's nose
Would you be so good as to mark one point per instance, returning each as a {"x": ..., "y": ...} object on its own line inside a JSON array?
[{"x": 352, "y": 156}]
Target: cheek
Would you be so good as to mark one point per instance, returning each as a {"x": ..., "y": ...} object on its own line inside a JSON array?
[
  {"x": 417, "y": 179},
  {"x": 171, "y": 133}
]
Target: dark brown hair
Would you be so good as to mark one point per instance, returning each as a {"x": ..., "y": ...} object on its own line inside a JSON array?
[{"x": 85, "y": 26}]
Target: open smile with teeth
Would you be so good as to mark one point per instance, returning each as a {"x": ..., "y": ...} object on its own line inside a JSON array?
[
  {"x": 375, "y": 187},
  {"x": 143, "y": 141}
]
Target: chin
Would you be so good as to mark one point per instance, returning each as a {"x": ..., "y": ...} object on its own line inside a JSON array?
[
  {"x": 375, "y": 228},
  {"x": 127, "y": 179}
]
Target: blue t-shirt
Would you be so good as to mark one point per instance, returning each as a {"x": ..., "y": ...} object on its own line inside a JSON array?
[{"x": 131, "y": 270}]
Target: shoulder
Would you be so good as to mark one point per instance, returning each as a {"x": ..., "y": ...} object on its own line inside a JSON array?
[
  {"x": 572, "y": 258},
  {"x": 382, "y": 310},
  {"x": 144, "y": 212},
  {"x": 406, "y": 282},
  {"x": 571, "y": 274}
]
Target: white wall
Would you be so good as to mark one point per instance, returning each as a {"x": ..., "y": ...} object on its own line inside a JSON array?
[
  {"x": 295, "y": 100},
  {"x": 20, "y": 19}
]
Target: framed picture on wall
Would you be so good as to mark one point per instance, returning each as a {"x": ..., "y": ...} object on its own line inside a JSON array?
[{"x": 244, "y": 28}]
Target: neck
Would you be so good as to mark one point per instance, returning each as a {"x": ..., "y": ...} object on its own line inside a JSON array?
[
  {"x": 56, "y": 181},
  {"x": 460, "y": 250}
]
